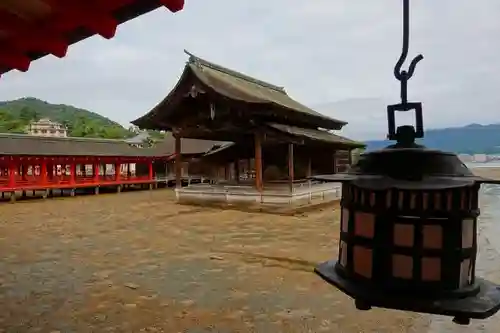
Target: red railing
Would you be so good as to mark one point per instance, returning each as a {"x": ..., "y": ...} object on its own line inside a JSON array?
[{"x": 65, "y": 181}]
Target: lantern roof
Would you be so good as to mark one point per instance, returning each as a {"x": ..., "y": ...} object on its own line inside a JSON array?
[{"x": 31, "y": 29}]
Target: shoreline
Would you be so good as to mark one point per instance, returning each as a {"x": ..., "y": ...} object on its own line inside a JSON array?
[{"x": 492, "y": 172}]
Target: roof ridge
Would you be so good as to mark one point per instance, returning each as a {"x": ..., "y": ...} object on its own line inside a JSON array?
[
  {"x": 199, "y": 61},
  {"x": 55, "y": 138}
]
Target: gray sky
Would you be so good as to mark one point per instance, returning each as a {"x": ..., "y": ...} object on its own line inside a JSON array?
[{"x": 322, "y": 51}]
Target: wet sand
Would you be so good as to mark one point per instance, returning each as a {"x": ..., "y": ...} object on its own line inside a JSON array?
[
  {"x": 487, "y": 172},
  {"x": 138, "y": 262}
]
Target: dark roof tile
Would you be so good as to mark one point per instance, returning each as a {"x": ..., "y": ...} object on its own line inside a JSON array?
[{"x": 20, "y": 144}]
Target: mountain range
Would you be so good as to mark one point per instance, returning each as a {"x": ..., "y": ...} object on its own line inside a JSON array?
[{"x": 470, "y": 139}]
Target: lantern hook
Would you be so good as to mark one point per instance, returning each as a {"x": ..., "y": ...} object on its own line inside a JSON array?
[{"x": 402, "y": 75}]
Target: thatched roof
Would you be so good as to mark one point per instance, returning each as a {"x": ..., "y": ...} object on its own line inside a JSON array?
[
  {"x": 28, "y": 145},
  {"x": 237, "y": 87}
]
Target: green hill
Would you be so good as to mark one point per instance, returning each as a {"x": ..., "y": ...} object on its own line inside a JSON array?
[{"x": 16, "y": 115}]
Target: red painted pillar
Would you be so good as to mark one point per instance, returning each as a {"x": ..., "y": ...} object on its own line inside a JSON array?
[
  {"x": 96, "y": 172},
  {"x": 43, "y": 172},
  {"x": 12, "y": 174},
  {"x": 72, "y": 172},
  {"x": 118, "y": 170},
  {"x": 151, "y": 173}
]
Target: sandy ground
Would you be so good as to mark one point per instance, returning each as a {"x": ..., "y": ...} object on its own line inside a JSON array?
[
  {"x": 137, "y": 262},
  {"x": 492, "y": 173}
]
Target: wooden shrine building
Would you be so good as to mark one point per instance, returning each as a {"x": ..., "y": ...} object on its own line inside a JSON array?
[
  {"x": 192, "y": 168},
  {"x": 262, "y": 122},
  {"x": 45, "y": 164}
]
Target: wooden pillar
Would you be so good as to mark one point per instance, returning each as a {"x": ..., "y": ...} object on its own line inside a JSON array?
[
  {"x": 12, "y": 180},
  {"x": 349, "y": 156},
  {"x": 258, "y": 162},
  {"x": 43, "y": 172},
  {"x": 12, "y": 174},
  {"x": 309, "y": 166},
  {"x": 291, "y": 174},
  {"x": 237, "y": 171},
  {"x": 150, "y": 170},
  {"x": 72, "y": 172},
  {"x": 96, "y": 172},
  {"x": 118, "y": 171},
  {"x": 334, "y": 162},
  {"x": 178, "y": 162},
  {"x": 23, "y": 171}
]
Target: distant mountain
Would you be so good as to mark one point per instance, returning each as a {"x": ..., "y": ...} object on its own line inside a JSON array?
[
  {"x": 444, "y": 129},
  {"x": 16, "y": 115},
  {"x": 470, "y": 139}
]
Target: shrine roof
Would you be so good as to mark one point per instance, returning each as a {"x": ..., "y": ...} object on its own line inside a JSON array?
[
  {"x": 31, "y": 29},
  {"x": 318, "y": 135},
  {"x": 29, "y": 145},
  {"x": 310, "y": 135},
  {"x": 188, "y": 146},
  {"x": 235, "y": 86}
]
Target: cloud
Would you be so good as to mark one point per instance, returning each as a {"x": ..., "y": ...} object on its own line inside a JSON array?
[{"x": 321, "y": 50}]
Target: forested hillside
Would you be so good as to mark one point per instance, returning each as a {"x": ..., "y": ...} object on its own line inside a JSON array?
[{"x": 16, "y": 115}]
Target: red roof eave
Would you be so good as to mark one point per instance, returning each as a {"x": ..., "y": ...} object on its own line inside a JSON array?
[{"x": 62, "y": 23}]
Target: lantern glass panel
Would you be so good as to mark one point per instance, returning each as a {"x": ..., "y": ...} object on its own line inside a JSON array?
[
  {"x": 468, "y": 233},
  {"x": 388, "y": 199},
  {"x": 402, "y": 266},
  {"x": 343, "y": 253},
  {"x": 345, "y": 220},
  {"x": 431, "y": 269},
  {"x": 432, "y": 236},
  {"x": 465, "y": 273},
  {"x": 437, "y": 201},
  {"x": 364, "y": 224},
  {"x": 425, "y": 201},
  {"x": 404, "y": 235},
  {"x": 363, "y": 261}
]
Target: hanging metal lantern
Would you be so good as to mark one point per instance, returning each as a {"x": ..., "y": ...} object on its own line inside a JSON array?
[{"x": 408, "y": 237}]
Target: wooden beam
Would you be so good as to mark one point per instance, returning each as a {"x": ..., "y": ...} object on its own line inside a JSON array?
[
  {"x": 291, "y": 168},
  {"x": 258, "y": 162}
]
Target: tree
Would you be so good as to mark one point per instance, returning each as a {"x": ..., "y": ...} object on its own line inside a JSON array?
[{"x": 27, "y": 115}]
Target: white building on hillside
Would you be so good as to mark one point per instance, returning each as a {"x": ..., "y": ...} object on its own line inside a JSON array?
[{"x": 47, "y": 127}]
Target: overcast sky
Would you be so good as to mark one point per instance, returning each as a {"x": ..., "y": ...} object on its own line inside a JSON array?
[{"x": 322, "y": 51}]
